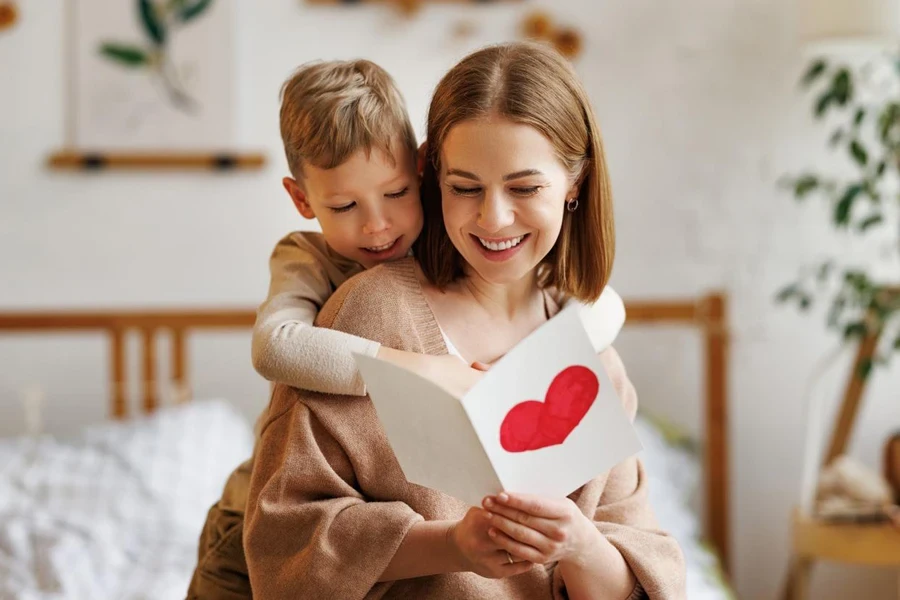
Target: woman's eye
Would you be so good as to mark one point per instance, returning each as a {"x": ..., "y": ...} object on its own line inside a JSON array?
[
  {"x": 463, "y": 191},
  {"x": 526, "y": 191},
  {"x": 399, "y": 194},
  {"x": 343, "y": 209}
]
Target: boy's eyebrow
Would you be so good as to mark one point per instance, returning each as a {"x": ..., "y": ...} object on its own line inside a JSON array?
[{"x": 510, "y": 177}]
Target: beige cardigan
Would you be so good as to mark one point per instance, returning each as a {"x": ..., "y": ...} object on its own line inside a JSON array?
[{"x": 329, "y": 505}]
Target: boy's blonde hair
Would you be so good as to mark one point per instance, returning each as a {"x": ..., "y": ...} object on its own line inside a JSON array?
[
  {"x": 531, "y": 84},
  {"x": 330, "y": 110}
]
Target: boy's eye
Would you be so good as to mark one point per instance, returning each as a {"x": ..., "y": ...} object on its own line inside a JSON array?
[
  {"x": 341, "y": 209},
  {"x": 399, "y": 194},
  {"x": 526, "y": 191},
  {"x": 464, "y": 191}
]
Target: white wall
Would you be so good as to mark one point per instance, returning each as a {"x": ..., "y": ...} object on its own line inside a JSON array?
[{"x": 701, "y": 115}]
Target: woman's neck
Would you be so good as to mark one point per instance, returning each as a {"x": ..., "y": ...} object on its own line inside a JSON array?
[
  {"x": 501, "y": 300},
  {"x": 485, "y": 320}
]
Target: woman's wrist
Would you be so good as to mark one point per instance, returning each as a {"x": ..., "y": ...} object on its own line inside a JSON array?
[
  {"x": 592, "y": 549},
  {"x": 598, "y": 569}
]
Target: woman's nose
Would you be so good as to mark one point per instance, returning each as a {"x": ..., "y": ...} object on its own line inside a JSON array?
[{"x": 496, "y": 213}]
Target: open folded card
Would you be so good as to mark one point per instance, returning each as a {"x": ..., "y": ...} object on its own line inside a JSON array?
[{"x": 544, "y": 420}]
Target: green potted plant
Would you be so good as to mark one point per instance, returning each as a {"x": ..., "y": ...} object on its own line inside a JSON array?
[{"x": 867, "y": 132}]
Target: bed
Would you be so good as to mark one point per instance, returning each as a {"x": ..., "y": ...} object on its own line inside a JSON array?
[{"x": 115, "y": 510}]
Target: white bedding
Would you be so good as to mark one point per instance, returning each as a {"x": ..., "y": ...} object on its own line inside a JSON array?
[{"x": 116, "y": 513}]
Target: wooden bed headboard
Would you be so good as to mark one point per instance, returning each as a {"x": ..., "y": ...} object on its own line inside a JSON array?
[{"x": 706, "y": 313}]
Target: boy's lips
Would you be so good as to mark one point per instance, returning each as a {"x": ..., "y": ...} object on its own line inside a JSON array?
[{"x": 384, "y": 251}]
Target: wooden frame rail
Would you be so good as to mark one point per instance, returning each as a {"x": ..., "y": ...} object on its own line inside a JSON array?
[
  {"x": 116, "y": 325},
  {"x": 707, "y": 314}
]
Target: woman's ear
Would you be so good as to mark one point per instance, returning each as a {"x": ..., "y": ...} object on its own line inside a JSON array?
[
  {"x": 421, "y": 156},
  {"x": 298, "y": 197}
]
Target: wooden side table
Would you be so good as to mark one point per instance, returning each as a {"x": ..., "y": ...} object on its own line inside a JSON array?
[{"x": 813, "y": 540}]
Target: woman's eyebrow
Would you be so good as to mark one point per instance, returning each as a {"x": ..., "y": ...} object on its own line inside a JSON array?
[
  {"x": 519, "y": 174},
  {"x": 464, "y": 174},
  {"x": 510, "y": 177}
]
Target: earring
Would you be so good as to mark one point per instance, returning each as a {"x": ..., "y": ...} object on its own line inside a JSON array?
[{"x": 572, "y": 204}]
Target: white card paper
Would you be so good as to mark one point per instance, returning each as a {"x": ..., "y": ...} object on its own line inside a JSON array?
[{"x": 544, "y": 420}]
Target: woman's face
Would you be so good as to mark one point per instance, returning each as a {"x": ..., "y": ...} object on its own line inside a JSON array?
[{"x": 503, "y": 194}]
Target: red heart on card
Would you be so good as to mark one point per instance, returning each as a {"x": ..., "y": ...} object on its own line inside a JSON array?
[{"x": 532, "y": 424}]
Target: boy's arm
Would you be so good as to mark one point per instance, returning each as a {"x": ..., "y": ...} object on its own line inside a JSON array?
[
  {"x": 602, "y": 320},
  {"x": 286, "y": 346}
]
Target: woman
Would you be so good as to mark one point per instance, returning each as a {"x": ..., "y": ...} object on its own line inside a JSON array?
[{"x": 517, "y": 202}]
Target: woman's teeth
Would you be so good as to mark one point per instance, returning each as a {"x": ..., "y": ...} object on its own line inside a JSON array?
[
  {"x": 505, "y": 245},
  {"x": 381, "y": 248}
]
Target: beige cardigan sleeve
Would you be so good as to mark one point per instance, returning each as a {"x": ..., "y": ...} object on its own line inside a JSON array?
[
  {"x": 602, "y": 320},
  {"x": 286, "y": 347},
  {"x": 309, "y": 533},
  {"x": 621, "y": 511}
]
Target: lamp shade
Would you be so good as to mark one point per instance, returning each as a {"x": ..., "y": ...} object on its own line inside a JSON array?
[{"x": 849, "y": 24}]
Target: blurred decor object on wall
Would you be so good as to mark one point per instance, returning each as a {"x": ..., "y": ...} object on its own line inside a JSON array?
[
  {"x": 9, "y": 14},
  {"x": 892, "y": 464},
  {"x": 151, "y": 84},
  {"x": 849, "y": 25},
  {"x": 540, "y": 26},
  {"x": 409, "y": 7}
]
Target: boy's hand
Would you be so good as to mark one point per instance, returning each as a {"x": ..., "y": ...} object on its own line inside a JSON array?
[{"x": 448, "y": 371}]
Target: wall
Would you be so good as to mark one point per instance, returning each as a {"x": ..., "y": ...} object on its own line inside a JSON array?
[{"x": 701, "y": 115}]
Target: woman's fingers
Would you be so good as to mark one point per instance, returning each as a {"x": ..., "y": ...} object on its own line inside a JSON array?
[
  {"x": 538, "y": 506},
  {"x": 547, "y": 527},
  {"x": 525, "y": 535},
  {"x": 515, "y": 548}
]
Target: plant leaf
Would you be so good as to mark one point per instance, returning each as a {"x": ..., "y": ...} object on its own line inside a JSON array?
[
  {"x": 845, "y": 204},
  {"x": 842, "y": 87},
  {"x": 854, "y": 330},
  {"x": 804, "y": 185},
  {"x": 860, "y": 115},
  {"x": 786, "y": 293},
  {"x": 824, "y": 271},
  {"x": 824, "y": 102},
  {"x": 814, "y": 71},
  {"x": 859, "y": 154},
  {"x": 836, "y": 137},
  {"x": 193, "y": 9},
  {"x": 865, "y": 368},
  {"x": 130, "y": 56},
  {"x": 879, "y": 170},
  {"x": 870, "y": 221},
  {"x": 154, "y": 27}
]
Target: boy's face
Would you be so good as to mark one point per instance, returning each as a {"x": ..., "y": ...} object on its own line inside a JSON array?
[{"x": 369, "y": 209}]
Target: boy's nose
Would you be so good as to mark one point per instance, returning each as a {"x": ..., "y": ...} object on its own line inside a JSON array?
[{"x": 376, "y": 223}]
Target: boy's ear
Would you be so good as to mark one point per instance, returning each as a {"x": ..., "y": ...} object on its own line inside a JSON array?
[{"x": 298, "y": 196}]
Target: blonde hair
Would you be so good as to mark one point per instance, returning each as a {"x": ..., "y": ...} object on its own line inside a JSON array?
[
  {"x": 531, "y": 84},
  {"x": 330, "y": 110}
]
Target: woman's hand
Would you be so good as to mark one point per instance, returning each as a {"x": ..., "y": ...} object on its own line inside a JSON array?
[
  {"x": 478, "y": 552},
  {"x": 540, "y": 530}
]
